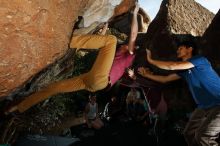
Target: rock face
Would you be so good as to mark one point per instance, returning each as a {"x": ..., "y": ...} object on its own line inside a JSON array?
[
  {"x": 211, "y": 43},
  {"x": 35, "y": 34},
  {"x": 176, "y": 19},
  {"x": 32, "y": 37}
]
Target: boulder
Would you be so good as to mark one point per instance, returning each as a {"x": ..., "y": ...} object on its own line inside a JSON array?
[
  {"x": 176, "y": 20},
  {"x": 32, "y": 37},
  {"x": 210, "y": 41}
]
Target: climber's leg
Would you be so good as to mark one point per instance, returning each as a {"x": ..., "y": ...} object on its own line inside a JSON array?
[
  {"x": 94, "y": 80},
  {"x": 68, "y": 85},
  {"x": 97, "y": 77}
]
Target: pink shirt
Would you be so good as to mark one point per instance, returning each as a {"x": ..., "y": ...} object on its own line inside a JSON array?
[{"x": 122, "y": 60}]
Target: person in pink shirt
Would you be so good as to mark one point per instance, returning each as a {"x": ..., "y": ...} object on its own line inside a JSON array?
[{"x": 108, "y": 68}]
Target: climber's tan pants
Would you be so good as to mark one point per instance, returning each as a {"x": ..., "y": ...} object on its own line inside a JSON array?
[{"x": 94, "y": 80}]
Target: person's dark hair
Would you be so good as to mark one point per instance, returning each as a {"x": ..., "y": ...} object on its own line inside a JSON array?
[{"x": 189, "y": 44}]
